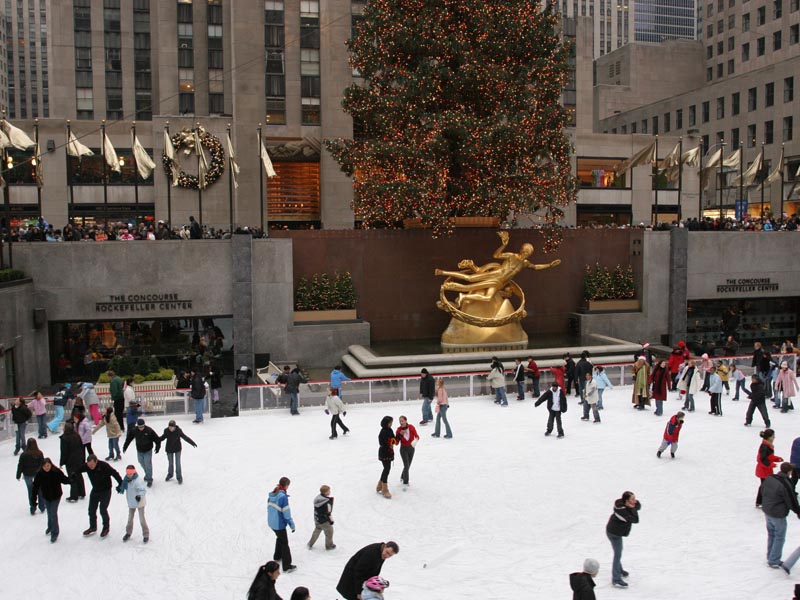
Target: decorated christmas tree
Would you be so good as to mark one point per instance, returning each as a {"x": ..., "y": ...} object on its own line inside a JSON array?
[{"x": 458, "y": 112}]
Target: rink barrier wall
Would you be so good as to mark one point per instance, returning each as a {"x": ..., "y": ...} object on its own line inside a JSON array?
[{"x": 171, "y": 401}]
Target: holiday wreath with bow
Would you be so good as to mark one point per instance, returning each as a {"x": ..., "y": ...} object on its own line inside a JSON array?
[{"x": 186, "y": 141}]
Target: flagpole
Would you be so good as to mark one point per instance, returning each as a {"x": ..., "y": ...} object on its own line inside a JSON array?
[
  {"x": 37, "y": 167},
  {"x": 199, "y": 183},
  {"x": 105, "y": 175},
  {"x": 654, "y": 218},
  {"x": 135, "y": 165},
  {"x": 261, "y": 177},
  {"x": 230, "y": 183},
  {"x": 741, "y": 177},
  {"x": 721, "y": 175},
  {"x": 6, "y": 208},
  {"x": 169, "y": 185},
  {"x": 783, "y": 172},
  {"x": 700, "y": 177},
  {"x": 69, "y": 179},
  {"x": 762, "y": 184},
  {"x": 680, "y": 177}
]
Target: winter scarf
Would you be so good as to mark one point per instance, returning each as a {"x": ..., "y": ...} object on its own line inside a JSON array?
[{"x": 126, "y": 480}]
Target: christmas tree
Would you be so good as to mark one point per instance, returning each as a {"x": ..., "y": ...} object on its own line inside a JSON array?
[{"x": 459, "y": 112}]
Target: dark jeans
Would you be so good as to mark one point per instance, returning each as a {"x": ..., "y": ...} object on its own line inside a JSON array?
[
  {"x": 616, "y": 566},
  {"x": 387, "y": 466},
  {"x": 762, "y": 408},
  {"x": 570, "y": 383},
  {"x": 555, "y": 415},
  {"x": 336, "y": 420},
  {"x": 77, "y": 489},
  {"x": 520, "y": 390},
  {"x": 534, "y": 386},
  {"x": 20, "y": 439},
  {"x": 41, "y": 420},
  {"x": 407, "y": 454},
  {"x": 119, "y": 412},
  {"x": 740, "y": 386},
  {"x": 282, "y": 552},
  {"x": 52, "y": 517},
  {"x": 29, "y": 484},
  {"x": 101, "y": 498},
  {"x": 758, "y": 495}
]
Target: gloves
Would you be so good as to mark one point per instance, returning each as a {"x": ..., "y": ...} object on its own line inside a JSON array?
[
  {"x": 293, "y": 530},
  {"x": 195, "y": 445},
  {"x": 138, "y": 498},
  {"x": 327, "y": 412},
  {"x": 344, "y": 413},
  {"x": 119, "y": 488},
  {"x": 157, "y": 450},
  {"x": 19, "y": 477}
]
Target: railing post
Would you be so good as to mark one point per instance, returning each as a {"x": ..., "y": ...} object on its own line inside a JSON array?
[
  {"x": 471, "y": 385},
  {"x": 369, "y": 391},
  {"x": 405, "y": 389}
]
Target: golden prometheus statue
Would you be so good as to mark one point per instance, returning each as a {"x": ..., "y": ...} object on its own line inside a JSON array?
[{"x": 483, "y": 316}]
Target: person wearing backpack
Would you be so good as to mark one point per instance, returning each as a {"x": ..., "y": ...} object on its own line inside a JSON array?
[{"x": 197, "y": 390}]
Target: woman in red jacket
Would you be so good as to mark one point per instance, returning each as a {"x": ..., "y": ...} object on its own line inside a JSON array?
[
  {"x": 766, "y": 459},
  {"x": 660, "y": 379},
  {"x": 408, "y": 437}
]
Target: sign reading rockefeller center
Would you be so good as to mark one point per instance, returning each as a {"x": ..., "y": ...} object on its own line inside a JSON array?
[
  {"x": 142, "y": 302},
  {"x": 763, "y": 284}
]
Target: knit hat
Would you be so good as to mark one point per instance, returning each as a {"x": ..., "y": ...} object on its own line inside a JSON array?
[
  {"x": 681, "y": 344},
  {"x": 424, "y": 371},
  {"x": 704, "y": 356},
  {"x": 243, "y": 368},
  {"x": 140, "y": 423},
  {"x": 172, "y": 423},
  {"x": 591, "y": 566},
  {"x": 642, "y": 357}
]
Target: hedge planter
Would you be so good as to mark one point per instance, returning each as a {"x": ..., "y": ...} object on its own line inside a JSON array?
[
  {"x": 315, "y": 316},
  {"x": 611, "y": 305},
  {"x": 488, "y": 222}
]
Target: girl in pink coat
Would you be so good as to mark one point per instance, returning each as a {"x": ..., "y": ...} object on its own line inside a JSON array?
[{"x": 786, "y": 386}]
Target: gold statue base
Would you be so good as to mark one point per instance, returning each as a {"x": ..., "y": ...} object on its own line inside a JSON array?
[{"x": 463, "y": 337}]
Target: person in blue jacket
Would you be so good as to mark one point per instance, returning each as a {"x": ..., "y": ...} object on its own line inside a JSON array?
[
  {"x": 337, "y": 377},
  {"x": 279, "y": 515},
  {"x": 602, "y": 382}
]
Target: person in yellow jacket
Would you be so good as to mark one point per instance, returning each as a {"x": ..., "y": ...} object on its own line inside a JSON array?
[{"x": 722, "y": 371}]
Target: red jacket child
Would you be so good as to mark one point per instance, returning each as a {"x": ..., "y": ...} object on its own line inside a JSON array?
[
  {"x": 673, "y": 428},
  {"x": 406, "y": 435}
]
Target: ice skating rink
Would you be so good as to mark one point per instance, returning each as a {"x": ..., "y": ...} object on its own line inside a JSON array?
[{"x": 499, "y": 511}]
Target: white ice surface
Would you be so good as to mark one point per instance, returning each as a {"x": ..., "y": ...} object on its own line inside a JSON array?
[{"x": 499, "y": 511}]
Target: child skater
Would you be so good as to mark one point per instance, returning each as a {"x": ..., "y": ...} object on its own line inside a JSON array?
[
  {"x": 373, "y": 588},
  {"x": 335, "y": 407},
  {"x": 671, "y": 434},
  {"x": 323, "y": 507}
]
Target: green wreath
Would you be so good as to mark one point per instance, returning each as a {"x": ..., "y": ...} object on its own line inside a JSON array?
[{"x": 184, "y": 141}]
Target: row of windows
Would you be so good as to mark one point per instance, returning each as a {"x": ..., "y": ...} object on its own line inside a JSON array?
[
  {"x": 761, "y": 17},
  {"x": 777, "y": 44}
]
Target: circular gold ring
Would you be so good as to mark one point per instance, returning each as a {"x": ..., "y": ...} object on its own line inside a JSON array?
[{"x": 446, "y": 305}]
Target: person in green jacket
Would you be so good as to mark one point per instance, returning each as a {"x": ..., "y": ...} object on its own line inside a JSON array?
[{"x": 118, "y": 398}]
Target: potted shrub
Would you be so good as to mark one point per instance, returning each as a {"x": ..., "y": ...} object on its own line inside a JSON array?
[
  {"x": 325, "y": 298},
  {"x": 609, "y": 290}
]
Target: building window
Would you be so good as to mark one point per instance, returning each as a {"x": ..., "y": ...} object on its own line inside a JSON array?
[
  {"x": 745, "y": 51},
  {"x": 185, "y": 58},
  {"x": 667, "y": 122},
  {"x": 704, "y": 142},
  {"x": 709, "y": 73},
  {"x": 720, "y": 138},
  {"x": 731, "y": 43},
  {"x": 735, "y": 103},
  {"x": 761, "y": 46},
  {"x": 633, "y": 127},
  {"x": 794, "y": 5},
  {"x": 746, "y": 22},
  {"x": 275, "y": 73},
  {"x": 752, "y": 99},
  {"x": 731, "y": 66},
  {"x": 310, "y": 92},
  {"x": 768, "y": 132},
  {"x": 599, "y": 173},
  {"x": 679, "y": 119},
  {"x": 293, "y": 195},
  {"x": 777, "y": 9},
  {"x": 751, "y": 136},
  {"x": 720, "y": 26},
  {"x": 141, "y": 57},
  {"x": 186, "y": 103},
  {"x": 735, "y": 138},
  {"x": 721, "y": 108},
  {"x": 720, "y": 70},
  {"x": 216, "y": 103},
  {"x": 788, "y": 89},
  {"x": 761, "y": 15},
  {"x": 788, "y": 123},
  {"x": 794, "y": 34},
  {"x": 84, "y": 97},
  {"x": 310, "y": 111},
  {"x": 710, "y": 31},
  {"x": 776, "y": 40},
  {"x": 692, "y": 115},
  {"x": 720, "y": 47},
  {"x": 623, "y": 129},
  {"x": 769, "y": 94},
  {"x": 216, "y": 84},
  {"x": 644, "y": 125},
  {"x": 709, "y": 52},
  {"x": 655, "y": 125},
  {"x": 706, "y": 111}
]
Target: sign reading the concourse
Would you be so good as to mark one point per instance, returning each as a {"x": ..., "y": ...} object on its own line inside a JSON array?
[
  {"x": 126, "y": 303},
  {"x": 732, "y": 286}
]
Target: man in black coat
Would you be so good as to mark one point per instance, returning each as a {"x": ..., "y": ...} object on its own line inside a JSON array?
[
  {"x": 758, "y": 400},
  {"x": 364, "y": 564},
  {"x": 72, "y": 453},
  {"x": 145, "y": 438},
  {"x": 583, "y": 367},
  {"x": 569, "y": 374},
  {"x": 173, "y": 434},
  {"x": 100, "y": 474},
  {"x": 519, "y": 378},
  {"x": 556, "y": 404},
  {"x": 427, "y": 390}
]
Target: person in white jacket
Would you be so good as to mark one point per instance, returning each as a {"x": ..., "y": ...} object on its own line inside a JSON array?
[
  {"x": 690, "y": 383},
  {"x": 335, "y": 407},
  {"x": 590, "y": 398},
  {"x": 135, "y": 491}
]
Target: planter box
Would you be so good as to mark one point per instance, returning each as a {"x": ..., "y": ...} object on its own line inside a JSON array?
[
  {"x": 611, "y": 305},
  {"x": 312, "y": 316},
  {"x": 488, "y": 222}
]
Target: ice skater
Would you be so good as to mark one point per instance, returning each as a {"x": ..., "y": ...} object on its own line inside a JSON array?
[
  {"x": 386, "y": 444},
  {"x": 47, "y": 486},
  {"x": 60, "y": 401},
  {"x": 135, "y": 491},
  {"x": 779, "y": 499},
  {"x": 279, "y": 517},
  {"x": 689, "y": 384},
  {"x": 337, "y": 378},
  {"x": 641, "y": 381},
  {"x": 739, "y": 381},
  {"x": 363, "y": 565},
  {"x": 146, "y": 439},
  {"x": 660, "y": 379},
  {"x": 323, "y": 523},
  {"x": 590, "y": 399},
  {"x": 20, "y": 415},
  {"x": 263, "y": 586},
  {"x": 100, "y": 474},
  {"x": 173, "y": 436},
  {"x": 582, "y": 583},
  {"x": 30, "y": 461},
  {"x": 785, "y": 388},
  {"x": 335, "y": 408},
  {"x": 408, "y": 437},
  {"x": 373, "y": 588},
  {"x": 758, "y": 400},
  {"x": 715, "y": 391},
  {"x": 39, "y": 408},
  {"x": 497, "y": 379},
  {"x": 556, "y": 404},
  {"x": 626, "y": 513},
  {"x": 442, "y": 406},
  {"x": 765, "y": 460},
  {"x": 671, "y": 434},
  {"x": 602, "y": 382},
  {"x": 84, "y": 429},
  {"x": 113, "y": 431},
  {"x": 427, "y": 390},
  {"x": 72, "y": 459}
]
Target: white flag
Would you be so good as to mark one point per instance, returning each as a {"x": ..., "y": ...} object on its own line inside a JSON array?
[
  {"x": 75, "y": 148},
  {"x": 144, "y": 164},
  {"x": 111, "y": 155},
  {"x": 644, "y": 156},
  {"x": 4, "y": 141},
  {"x": 749, "y": 176},
  {"x": 18, "y": 138},
  {"x": 266, "y": 160},
  {"x": 169, "y": 153},
  {"x": 691, "y": 158},
  {"x": 734, "y": 160},
  {"x": 202, "y": 162},
  {"x": 777, "y": 173},
  {"x": 672, "y": 159},
  {"x": 234, "y": 164},
  {"x": 713, "y": 161}
]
